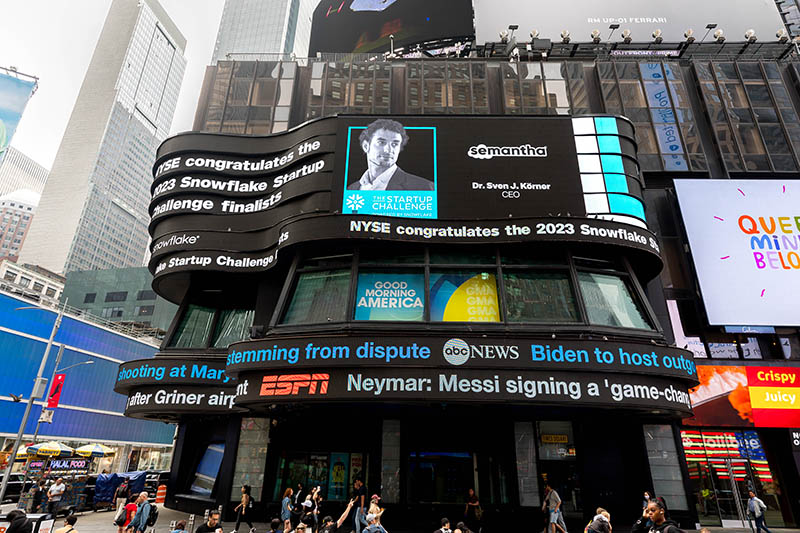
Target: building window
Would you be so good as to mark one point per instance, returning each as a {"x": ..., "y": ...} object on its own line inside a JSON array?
[
  {"x": 144, "y": 310},
  {"x": 25, "y": 282},
  {"x": 319, "y": 297},
  {"x": 541, "y": 285},
  {"x": 610, "y": 302},
  {"x": 194, "y": 328},
  {"x": 232, "y": 326},
  {"x": 90, "y": 297},
  {"x": 390, "y": 295},
  {"x": 10, "y": 276},
  {"x": 38, "y": 287},
  {"x": 112, "y": 312},
  {"x": 539, "y": 296},
  {"x": 207, "y": 470},
  {"x": 146, "y": 295},
  {"x": 464, "y": 295},
  {"x": 120, "y": 296},
  {"x": 50, "y": 292}
]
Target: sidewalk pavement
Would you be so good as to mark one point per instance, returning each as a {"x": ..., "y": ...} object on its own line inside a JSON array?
[{"x": 101, "y": 522}]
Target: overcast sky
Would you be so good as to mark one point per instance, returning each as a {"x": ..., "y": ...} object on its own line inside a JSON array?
[{"x": 55, "y": 39}]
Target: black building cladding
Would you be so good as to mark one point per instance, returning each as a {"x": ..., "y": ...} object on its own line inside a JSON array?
[{"x": 485, "y": 327}]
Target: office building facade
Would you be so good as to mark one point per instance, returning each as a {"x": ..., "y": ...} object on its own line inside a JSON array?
[
  {"x": 16, "y": 215},
  {"x": 119, "y": 295},
  {"x": 18, "y": 171},
  {"x": 93, "y": 212},
  {"x": 252, "y": 27}
]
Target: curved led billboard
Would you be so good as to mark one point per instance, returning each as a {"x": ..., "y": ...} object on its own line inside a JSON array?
[{"x": 228, "y": 203}]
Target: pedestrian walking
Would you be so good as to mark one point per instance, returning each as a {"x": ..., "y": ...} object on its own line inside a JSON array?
[
  {"x": 329, "y": 526},
  {"x": 139, "y": 522},
  {"x": 123, "y": 494},
  {"x": 180, "y": 527},
  {"x": 211, "y": 525},
  {"x": 18, "y": 522},
  {"x": 69, "y": 525},
  {"x": 307, "y": 513},
  {"x": 461, "y": 527},
  {"x": 241, "y": 510},
  {"x": 317, "y": 507},
  {"x": 286, "y": 509},
  {"x": 656, "y": 511},
  {"x": 372, "y": 524},
  {"x": 275, "y": 526},
  {"x": 756, "y": 508},
  {"x": 374, "y": 508},
  {"x": 552, "y": 503},
  {"x": 472, "y": 511},
  {"x": 38, "y": 495},
  {"x": 601, "y": 523},
  {"x": 445, "y": 526},
  {"x": 360, "y": 507},
  {"x": 54, "y": 496}
]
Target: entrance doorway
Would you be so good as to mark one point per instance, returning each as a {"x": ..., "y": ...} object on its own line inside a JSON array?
[{"x": 723, "y": 467}]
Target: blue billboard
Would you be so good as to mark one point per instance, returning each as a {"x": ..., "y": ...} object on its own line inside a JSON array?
[{"x": 14, "y": 95}]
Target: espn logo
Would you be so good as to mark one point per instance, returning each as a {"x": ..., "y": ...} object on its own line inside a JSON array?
[{"x": 292, "y": 384}]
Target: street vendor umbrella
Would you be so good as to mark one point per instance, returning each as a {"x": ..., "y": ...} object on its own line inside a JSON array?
[
  {"x": 94, "y": 450},
  {"x": 22, "y": 454},
  {"x": 51, "y": 449}
]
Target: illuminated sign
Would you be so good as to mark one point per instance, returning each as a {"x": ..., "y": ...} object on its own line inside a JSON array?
[
  {"x": 640, "y": 18},
  {"x": 746, "y": 396},
  {"x": 363, "y": 26},
  {"x": 466, "y": 351},
  {"x": 555, "y": 439},
  {"x": 294, "y": 384},
  {"x": 484, "y": 385},
  {"x": 747, "y": 230},
  {"x": 229, "y": 204}
]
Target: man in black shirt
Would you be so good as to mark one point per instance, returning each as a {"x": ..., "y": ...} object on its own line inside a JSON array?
[
  {"x": 360, "y": 494},
  {"x": 211, "y": 526}
]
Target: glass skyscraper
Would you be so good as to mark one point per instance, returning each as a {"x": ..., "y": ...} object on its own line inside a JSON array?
[
  {"x": 93, "y": 213},
  {"x": 252, "y": 27}
]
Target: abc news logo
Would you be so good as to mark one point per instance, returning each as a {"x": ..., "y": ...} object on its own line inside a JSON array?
[
  {"x": 294, "y": 384},
  {"x": 457, "y": 351}
]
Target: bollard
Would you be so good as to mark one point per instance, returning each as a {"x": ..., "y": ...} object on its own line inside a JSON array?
[
  {"x": 172, "y": 525},
  {"x": 190, "y": 525}
]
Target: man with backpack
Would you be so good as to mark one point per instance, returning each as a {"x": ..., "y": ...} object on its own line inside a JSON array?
[{"x": 146, "y": 515}]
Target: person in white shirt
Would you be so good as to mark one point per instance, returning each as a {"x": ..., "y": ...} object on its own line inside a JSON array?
[
  {"x": 382, "y": 142},
  {"x": 54, "y": 495}
]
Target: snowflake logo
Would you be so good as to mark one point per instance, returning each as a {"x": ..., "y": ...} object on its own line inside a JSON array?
[{"x": 355, "y": 202}]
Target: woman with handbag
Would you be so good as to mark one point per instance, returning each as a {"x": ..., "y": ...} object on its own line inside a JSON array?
[{"x": 472, "y": 511}]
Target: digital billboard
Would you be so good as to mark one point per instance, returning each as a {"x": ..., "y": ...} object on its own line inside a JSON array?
[
  {"x": 739, "y": 396},
  {"x": 734, "y": 17},
  {"x": 745, "y": 242},
  {"x": 362, "y": 26},
  {"x": 224, "y": 203},
  {"x": 14, "y": 95}
]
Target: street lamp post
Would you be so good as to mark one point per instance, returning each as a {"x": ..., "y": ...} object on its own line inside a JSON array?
[
  {"x": 39, "y": 390},
  {"x": 56, "y": 370}
]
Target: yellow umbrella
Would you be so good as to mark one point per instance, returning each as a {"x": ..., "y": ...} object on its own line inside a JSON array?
[
  {"x": 51, "y": 449},
  {"x": 22, "y": 454},
  {"x": 94, "y": 450}
]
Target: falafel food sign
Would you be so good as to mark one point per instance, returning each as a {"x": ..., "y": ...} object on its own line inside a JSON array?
[{"x": 429, "y": 168}]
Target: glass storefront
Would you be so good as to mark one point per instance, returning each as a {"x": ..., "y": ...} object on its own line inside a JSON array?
[{"x": 723, "y": 467}]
